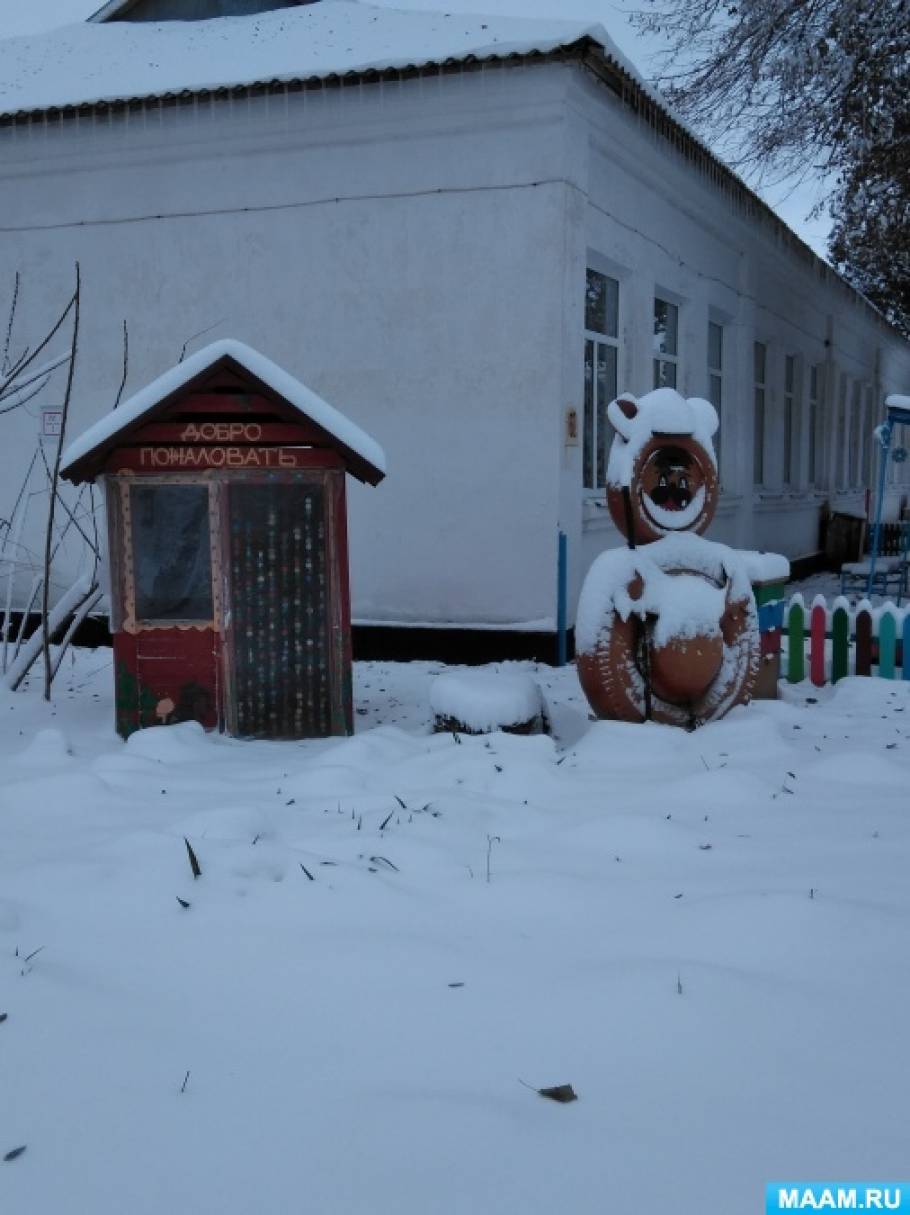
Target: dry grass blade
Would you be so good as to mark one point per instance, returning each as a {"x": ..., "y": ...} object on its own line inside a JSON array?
[
  {"x": 194, "y": 863},
  {"x": 15, "y": 1153}
]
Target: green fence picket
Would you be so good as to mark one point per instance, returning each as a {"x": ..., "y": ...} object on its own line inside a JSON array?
[
  {"x": 796, "y": 633},
  {"x": 887, "y": 645},
  {"x": 840, "y": 661}
]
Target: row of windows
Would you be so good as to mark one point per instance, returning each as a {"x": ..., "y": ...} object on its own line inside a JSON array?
[{"x": 781, "y": 437}]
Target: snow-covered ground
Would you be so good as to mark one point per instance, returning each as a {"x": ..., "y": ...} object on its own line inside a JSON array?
[
  {"x": 827, "y": 584},
  {"x": 705, "y": 934}
]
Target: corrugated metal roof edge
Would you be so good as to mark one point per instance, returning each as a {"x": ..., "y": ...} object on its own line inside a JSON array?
[{"x": 586, "y": 51}]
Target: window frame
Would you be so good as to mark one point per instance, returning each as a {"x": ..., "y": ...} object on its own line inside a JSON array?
[
  {"x": 659, "y": 356},
  {"x": 791, "y": 446},
  {"x": 759, "y": 432},
  {"x": 815, "y": 473},
  {"x": 593, "y": 339},
  {"x": 126, "y": 619}
]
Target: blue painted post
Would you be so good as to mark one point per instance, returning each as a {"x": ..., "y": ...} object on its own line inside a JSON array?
[
  {"x": 884, "y": 432},
  {"x": 562, "y": 594}
]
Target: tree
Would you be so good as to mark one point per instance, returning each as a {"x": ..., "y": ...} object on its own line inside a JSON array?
[
  {"x": 808, "y": 86},
  {"x": 24, "y": 376}
]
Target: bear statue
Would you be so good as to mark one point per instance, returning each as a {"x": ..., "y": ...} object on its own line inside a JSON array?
[{"x": 667, "y": 629}]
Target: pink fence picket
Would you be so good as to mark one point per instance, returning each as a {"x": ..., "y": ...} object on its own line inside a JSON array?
[{"x": 818, "y": 626}]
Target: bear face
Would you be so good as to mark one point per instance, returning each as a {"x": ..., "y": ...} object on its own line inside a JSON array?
[{"x": 662, "y": 476}]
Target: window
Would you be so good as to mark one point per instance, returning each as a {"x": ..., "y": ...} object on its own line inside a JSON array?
[
  {"x": 791, "y": 417},
  {"x": 666, "y": 343},
  {"x": 172, "y": 563},
  {"x": 868, "y": 437},
  {"x": 760, "y": 359},
  {"x": 716, "y": 377},
  {"x": 856, "y": 433},
  {"x": 601, "y": 372},
  {"x": 840, "y": 450},
  {"x": 815, "y": 389}
]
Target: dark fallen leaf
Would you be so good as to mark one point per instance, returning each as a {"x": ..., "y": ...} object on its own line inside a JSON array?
[
  {"x": 182, "y": 902},
  {"x": 307, "y": 872},
  {"x": 15, "y": 1153},
  {"x": 3, "y": 1017},
  {"x": 456, "y": 985},
  {"x": 564, "y": 1093},
  {"x": 384, "y": 860},
  {"x": 677, "y": 896},
  {"x": 194, "y": 863},
  {"x": 705, "y": 847},
  {"x": 290, "y": 801},
  {"x": 328, "y": 862},
  {"x": 498, "y": 767}
]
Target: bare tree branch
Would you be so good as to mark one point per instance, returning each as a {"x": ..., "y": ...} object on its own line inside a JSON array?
[{"x": 74, "y": 346}]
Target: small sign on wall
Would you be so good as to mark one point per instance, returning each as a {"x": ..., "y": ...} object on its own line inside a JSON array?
[
  {"x": 51, "y": 423},
  {"x": 571, "y": 427}
]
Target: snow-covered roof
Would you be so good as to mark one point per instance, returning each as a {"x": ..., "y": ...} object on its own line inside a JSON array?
[
  {"x": 369, "y": 456},
  {"x": 122, "y": 60}
]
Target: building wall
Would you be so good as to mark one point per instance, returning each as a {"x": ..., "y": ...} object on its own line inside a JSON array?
[
  {"x": 416, "y": 253},
  {"x": 393, "y": 246},
  {"x": 649, "y": 219}
]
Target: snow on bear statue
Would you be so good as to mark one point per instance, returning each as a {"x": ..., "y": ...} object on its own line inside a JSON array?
[{"x": 669, "y": 631}]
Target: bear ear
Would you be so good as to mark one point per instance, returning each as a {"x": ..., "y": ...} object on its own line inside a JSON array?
[
  {"x": 622, "y": 413},
  {"x": 706, "y": 419}
]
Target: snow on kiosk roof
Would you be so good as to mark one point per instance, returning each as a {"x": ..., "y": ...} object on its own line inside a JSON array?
[{"x": 84, "y": 458}]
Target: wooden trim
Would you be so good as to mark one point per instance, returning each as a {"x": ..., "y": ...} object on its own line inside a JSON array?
[
  {"x": 342, "y": 592},
  {"x": 99, "y": 458}
]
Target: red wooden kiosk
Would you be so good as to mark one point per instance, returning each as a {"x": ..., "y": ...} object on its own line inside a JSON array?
[{"x": 225, "y": 488}]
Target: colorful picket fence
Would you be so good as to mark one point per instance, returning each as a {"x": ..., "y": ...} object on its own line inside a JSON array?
[{"x": 826, "y": 644}]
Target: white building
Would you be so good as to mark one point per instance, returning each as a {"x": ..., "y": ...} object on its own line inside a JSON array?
[{"x": 466, "y": 233}]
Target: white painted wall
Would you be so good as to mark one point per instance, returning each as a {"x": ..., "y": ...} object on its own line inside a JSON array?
[
  {"x": 416, "y": 253},
  {"x": 395, "y": 247}
]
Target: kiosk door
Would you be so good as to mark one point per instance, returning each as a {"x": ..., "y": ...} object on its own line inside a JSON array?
[{"x": 278, "y": 596}]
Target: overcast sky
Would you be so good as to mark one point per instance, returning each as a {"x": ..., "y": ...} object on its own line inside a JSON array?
[{"x": 793, "y": 204}]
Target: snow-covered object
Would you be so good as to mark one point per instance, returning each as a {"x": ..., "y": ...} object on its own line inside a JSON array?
[
  {"x": 82, "y": 64},
  {"x": 296, "y": 394},
  {"x": 48, "y": 749},
  {"x": 764, "y": 567},
  {"x": 482, "y": 701},
  {"x": 686, "y": 606},
  {"x": 896, "y": 400},
  {"x": 667, "y": 632},
  {"x": 661, "y": 412}
]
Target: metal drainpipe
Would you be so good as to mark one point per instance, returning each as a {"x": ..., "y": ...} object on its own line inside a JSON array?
[{"x": 562, "y": 587}]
